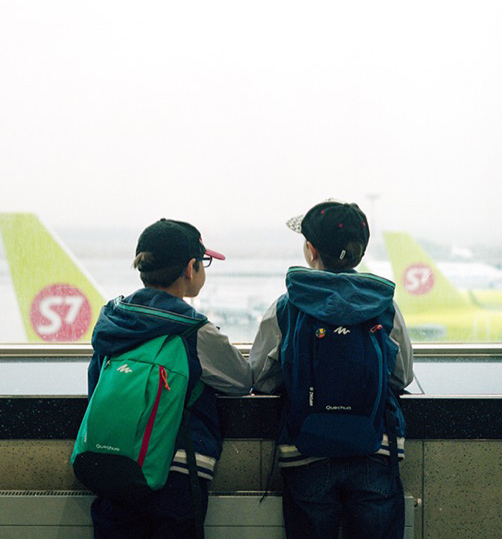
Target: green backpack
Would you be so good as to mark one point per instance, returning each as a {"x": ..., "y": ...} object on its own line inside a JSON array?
[{"x": 129, "y": 432}]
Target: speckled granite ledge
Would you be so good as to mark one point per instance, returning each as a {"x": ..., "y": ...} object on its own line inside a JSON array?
[{"x": 428, "y": 418}]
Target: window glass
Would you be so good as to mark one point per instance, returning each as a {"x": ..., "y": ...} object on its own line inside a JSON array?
[{"x": 235, "y": 116}]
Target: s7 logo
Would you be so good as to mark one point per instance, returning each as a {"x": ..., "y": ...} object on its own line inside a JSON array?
[{"x": 60, "y": 312}]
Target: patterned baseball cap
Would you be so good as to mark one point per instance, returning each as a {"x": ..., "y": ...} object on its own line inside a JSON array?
[{"x": 331, "y": 225}]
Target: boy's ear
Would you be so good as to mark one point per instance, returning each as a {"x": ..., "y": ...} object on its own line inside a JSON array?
[
  {"x": 189, "y": 270},
  {"x": 314, "y": 253}
]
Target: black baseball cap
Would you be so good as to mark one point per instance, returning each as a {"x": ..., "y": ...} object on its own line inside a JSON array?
[
  {"x": 172, "y": 243},
  {"x": 331, "y": 225}
]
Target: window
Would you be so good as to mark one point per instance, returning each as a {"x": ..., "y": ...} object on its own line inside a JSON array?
[{"x": 235, "y": 117}]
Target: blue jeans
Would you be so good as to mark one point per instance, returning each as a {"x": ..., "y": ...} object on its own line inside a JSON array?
[
  {"x": 361, "y": 492},
  {"x": 167, "y": 513}
]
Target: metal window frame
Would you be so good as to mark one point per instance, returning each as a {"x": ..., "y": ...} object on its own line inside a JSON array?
[{"x": 422, "y": 351}]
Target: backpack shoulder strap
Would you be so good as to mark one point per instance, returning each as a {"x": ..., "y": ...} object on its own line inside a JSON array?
[
  {"x": 195, "y": 394},
  {"x": 199, "y": 385},
  {"x": 195, "y": 327},
  {"x": 159, "y": 313}
]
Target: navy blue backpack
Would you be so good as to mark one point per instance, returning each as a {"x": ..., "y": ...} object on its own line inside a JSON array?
[{"x": 338, "y": 386}]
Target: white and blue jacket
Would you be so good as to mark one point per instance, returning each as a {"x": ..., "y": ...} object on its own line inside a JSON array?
[{"x": 335, "y": 298}]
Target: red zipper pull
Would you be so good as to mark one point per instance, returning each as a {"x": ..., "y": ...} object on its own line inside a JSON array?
[
  {"x": 163, "y": 373},
  {"x": 374, "y": 329}
]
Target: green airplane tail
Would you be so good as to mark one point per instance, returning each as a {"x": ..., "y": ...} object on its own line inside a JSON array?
[
  {"x": 58, "y": 301},
  {"x": 420, "y": 285}
]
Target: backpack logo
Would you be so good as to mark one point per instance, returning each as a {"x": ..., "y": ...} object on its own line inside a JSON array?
[
  {"x": 320, "y": 333},
  {"x": 124, "y": 368},
  {"x": 109, "y": 447},
  {"x": 341, "y": 330}
]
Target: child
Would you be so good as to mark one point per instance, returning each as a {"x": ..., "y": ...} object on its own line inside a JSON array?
[
  {"x": 320, "y": 492},
  {"x": 171, "y": 259}
]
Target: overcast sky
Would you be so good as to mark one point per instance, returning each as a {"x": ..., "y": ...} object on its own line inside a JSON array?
[{"x": 229, "y": 113}]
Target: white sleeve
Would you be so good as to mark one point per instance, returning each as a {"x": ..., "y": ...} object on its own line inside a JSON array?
[
  {"x": 224, "y": 368},
  {"x": 402, "y": 375},
  {"x": 263, "y": 358}
]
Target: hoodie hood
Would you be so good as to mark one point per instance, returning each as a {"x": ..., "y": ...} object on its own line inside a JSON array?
[
  {"x": 119, "y": 328},
  {"x": 339, "y": 298}
]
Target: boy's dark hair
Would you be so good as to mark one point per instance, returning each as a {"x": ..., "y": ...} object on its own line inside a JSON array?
[
  {"x": 339, "y": 231},
  {"x": 164, "y": 277}
]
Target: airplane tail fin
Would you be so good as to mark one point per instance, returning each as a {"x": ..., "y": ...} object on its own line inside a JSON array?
[
  {"x": 58, "y": 301},
  {"x": 420, "y": 286}
]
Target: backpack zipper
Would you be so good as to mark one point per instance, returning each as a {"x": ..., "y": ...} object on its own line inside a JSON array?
[
  {"x": 163, "y": 374},
  {"x": 149, "y": 426}
]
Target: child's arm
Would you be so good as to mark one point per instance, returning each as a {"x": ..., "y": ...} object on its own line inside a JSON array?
[
  {"x": 402, "y": 375},
  {"x": 264, "y": 355},
  {"x": 224, "y": 368}
]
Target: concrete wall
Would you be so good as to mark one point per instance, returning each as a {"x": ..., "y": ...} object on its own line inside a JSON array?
[{"x": 457, "y": 483}]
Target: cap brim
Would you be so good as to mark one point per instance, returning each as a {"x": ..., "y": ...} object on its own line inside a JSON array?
[
  {"x": 295, "y": 223},
  {"x": 214, "y": 254}
]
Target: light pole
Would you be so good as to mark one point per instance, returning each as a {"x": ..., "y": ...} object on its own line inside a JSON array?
[{"x": 373, "y": 197}]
